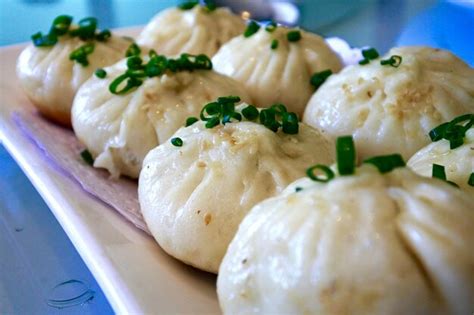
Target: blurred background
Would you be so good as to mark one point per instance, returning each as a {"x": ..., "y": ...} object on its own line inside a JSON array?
[
  {"x": 38, "y": 263},
  {"x": 377, "y": 23}
]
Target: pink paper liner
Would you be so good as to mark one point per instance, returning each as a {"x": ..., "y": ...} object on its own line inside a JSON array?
[{"x": 60, "y": 146}]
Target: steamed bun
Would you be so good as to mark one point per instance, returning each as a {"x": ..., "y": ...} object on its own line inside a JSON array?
[
  {"x": 195, "y": 31},
  {"x": 280, "y": 75},
  {"x": 372, "y": 243},
  {"x": 193, "y": 197},
  {"x": 458, "y": 162},
  {"x": 50, "y": 79},
  {"x": 119, "y": 130},
  {"x": 390, "y": 109}
]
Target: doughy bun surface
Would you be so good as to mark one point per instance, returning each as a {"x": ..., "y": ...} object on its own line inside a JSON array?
[
  {"x": 391, "y": 110},
  {"x": 280, "y": 75},
  {"x": 193, "y": 197},
  {"x": 458, "y": 163},
  {"x": 366, "y": 244},
  {"x": 119, "y": 130},
  {"x": 50, "y": 79},
  {"x": 194, "y": 31}
]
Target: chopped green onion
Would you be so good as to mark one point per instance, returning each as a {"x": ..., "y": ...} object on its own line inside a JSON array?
[
  {"x": 61, "y": 25},
  {"x": 190, "y": 121},
  {"x": 297, "y": 189},
  {"x": 177, "y": 142},
  {"x": 103, "y": 36},
  {"x": 279, "y": 108},
  {"x": 100, "y": 73},
  {"x": 452, "y": 131},
  {"x": 252, "y": 28},
  {"x": 470, "y": 182},
  {"x": 438, "y": 172},
  {"x": 130, "y": 84},
  {"x": 290, "y": 123},
  {"x": 326, "y": 177},
  {"x": 223, "y": 110},
  {"x": 211, "y": 123},
  {"x": 156, "y": 66},
  {"x": 319, "y": 78},
  {"x": 386, "y": 163},
  {"x": 268, "y": 119},
  {"x": 393, "y": 61},
  {"x": 274, "y": 44},
  {"x": 228, "y": 99},
  {"x": 437, "y": 133},
  {"x": 370, "y": 53},
  {"x": 86, "y": 29},
  {"x": 250, "y": 112},
  {"x": 293, "y": 36},
  {"x": 346, "y": 155},
  {"x": 87, "y": 157},
  {"x": 188, "y": 5},
  {"x": 212, "y": 109},
  {"x": 134, "y": 63},
  {"x": 229, "y": 117},
  {"x": 210, "y": 5},
  {"x": 40, "y": 40},
  {"x": 133, "y": 50},
  {"x": 271, "y": 27},
  {"x": 80, "y": 54}
]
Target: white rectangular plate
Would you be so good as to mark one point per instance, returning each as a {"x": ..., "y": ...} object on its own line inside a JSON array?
[{"x": 135, "y": 274}]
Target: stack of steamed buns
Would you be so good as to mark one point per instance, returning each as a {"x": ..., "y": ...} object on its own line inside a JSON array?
[{"x": 259, "y": 157}]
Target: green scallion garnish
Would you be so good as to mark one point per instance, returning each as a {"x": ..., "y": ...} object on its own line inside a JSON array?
[
  {"x": 40, "y": 40},
  {"x": 289, "y": 124},
  {"x": 223, "y": 111},
  {"x": 210, "y": 5},
  {"x": 293, "y": 36},
  {"x": 190, "y": 121},
  {"x": 177, "y": 142},
  {"x": 124, "y": 83},
  {"x": 157, "y": 65},
  {"x": 80, "y": 54},
  {"x": 87, "y": 157},
  {"x": 369, "y": 54},
  {"x": 133, "y": 50},
  {"x": 393, "y": 61},
  {"x": 103, "y": 35},
  {"x": 100, "y": 73},
  {"x": 319, "y": 78},
  {"x": 86, "y": 31},
  {"x": 453, "y": 131},
  {"x": 297, "y": 189},
  {"x": 61, "y": 25},
  {"x": 274, "y": 44},
  {"x": 346, "y": 155},
  {"x": 327, "y": 175},
  {"x": 386, "y": 163},
  {"x": 250, "y": 112},
  {"x": 251, "y": 29},
  {"x": 470, "y": 182},
  {"x": 188, "y": 5},
  {"x": 438, "y": 172},
  {"x": 346, "y": 158}
]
